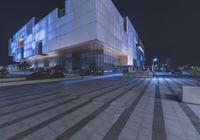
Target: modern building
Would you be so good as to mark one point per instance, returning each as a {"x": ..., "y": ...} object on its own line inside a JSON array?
[{"x": 88, "y": 35}]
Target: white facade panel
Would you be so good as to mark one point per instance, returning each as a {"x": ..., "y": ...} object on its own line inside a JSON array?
[
  {"x": 84, "y": 21},
  {"x": 111, "y": 31}
]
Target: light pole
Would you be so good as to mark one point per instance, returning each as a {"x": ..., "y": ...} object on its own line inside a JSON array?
[{"x": 153, "y": 67}]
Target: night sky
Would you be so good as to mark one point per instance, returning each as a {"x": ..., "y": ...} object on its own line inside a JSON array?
[{"x": 168, "y": 28}]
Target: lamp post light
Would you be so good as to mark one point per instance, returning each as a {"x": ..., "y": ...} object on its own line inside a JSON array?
[{"x": 153, "y": 67}]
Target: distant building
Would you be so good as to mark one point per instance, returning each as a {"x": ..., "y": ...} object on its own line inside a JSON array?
[{"x": 88, "y": 35}]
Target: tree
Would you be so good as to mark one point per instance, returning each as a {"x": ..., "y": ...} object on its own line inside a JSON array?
[
  {"x": 168, "y": 62},
  {"x": 24, "y": 66}
]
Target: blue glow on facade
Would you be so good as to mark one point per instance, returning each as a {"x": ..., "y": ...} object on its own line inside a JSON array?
[{"x": 82, "y": 21}]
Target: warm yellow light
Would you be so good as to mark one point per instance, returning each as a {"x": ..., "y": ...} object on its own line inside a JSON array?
[{"x": 20, "y": 42}]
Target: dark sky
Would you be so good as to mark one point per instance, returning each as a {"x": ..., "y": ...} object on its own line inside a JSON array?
[{"x": 168, "y": 28}]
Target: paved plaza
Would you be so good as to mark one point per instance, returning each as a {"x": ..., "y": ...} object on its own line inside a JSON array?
[{"x": 109, "y": 108}]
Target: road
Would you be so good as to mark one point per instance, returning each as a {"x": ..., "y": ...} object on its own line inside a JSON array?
[{"x": 107, "y": 108}]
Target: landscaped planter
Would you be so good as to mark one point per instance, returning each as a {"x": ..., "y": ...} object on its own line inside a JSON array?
[{"x": 139, "y": 74}]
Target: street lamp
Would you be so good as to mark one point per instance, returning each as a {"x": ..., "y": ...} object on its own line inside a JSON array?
[{"x": 154, "y": 60}]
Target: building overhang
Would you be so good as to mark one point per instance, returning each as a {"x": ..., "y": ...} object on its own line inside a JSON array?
[{"x": 83, "y": 47}]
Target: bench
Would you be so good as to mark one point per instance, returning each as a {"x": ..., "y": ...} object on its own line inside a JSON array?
[{"x": 190, "y": 94}]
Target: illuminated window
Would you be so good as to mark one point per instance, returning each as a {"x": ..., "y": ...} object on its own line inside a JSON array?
[{"x": 21, "y": 42}]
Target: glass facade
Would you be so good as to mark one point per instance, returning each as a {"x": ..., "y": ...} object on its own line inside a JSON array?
[{"x": 90, "y": 61}]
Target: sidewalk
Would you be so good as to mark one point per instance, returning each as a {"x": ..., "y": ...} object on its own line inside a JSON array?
[
  {"x": 22, "y": 81},
  {"x": 3, "y": 80}
]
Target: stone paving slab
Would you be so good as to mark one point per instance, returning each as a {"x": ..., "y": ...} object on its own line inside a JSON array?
[
  {"x": 189, "y": 129},
  {"x": 98, "y": 127},
  {"x": 25, "y": 82},
  {"x": 140, "y": 122},
  {"x": 69, "y": 110}
]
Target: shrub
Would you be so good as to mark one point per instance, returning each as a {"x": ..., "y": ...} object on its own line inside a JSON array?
[
  {"x": 195, "y": 71},
  {"x": 84, "y": 73},
  {"x": 58, "y": 74},
  {"x": 24, "y": 66},
  {"x": 46, "y": 74},
  {"x": 4, "y": 72}
]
